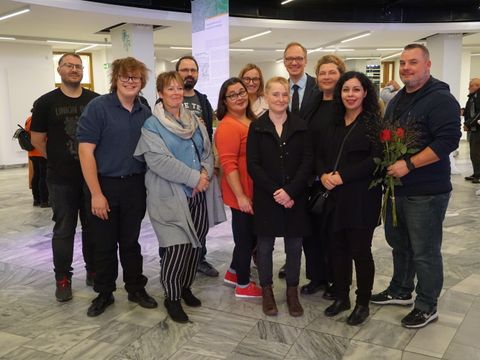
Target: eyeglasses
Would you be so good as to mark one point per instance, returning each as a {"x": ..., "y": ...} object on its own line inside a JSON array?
[
  {"x": 134, "y": 79},
  {"x": 235, "y": 96},
  {"x": 253, "y": 80},
  {"x": 73, "y": 66},
  {"x": 298, "y": 59},
  {"x": 186, "y": 71}
]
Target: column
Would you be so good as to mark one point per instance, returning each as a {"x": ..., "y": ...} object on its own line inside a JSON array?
[{"x": 136, "y": 40}]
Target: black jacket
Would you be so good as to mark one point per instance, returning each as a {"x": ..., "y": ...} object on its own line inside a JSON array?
[
  {"x": 437, "y": 115},
  {"x": 310, "y": 96},
  {"x": 274, "y": 163},
  {"x": 351, "y": 205},
  {"x": 472, "y": 108},
  {"x": 207, "y": 112}
]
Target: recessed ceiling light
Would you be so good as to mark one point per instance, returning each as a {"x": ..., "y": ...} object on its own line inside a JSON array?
[
  {"x": 286, "y": 2},
  {"x": 180, "y": 48},
  {"x": 389, "y": 49},
  {"x": 241, "y": 50},
  {"x": 6, "y": 38},
  {"x": 14, "y": 13},
  {"x": 174, "y": 60},
  {"x": 356, "y": 37},
  {"x": 391, "y": 56},
  {"x": 86, "y": 48},
  {"x": 256, "y": 35}
]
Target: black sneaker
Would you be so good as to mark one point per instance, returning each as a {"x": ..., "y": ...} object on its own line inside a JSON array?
[
  {"x": 207, "y": 269},
  {"x": 63, "y": 291},
  {"x": 385, "y": 298},
  {"x": 100, "y": 303},
  {"x": 418, "y": 318},
  {"x": 143, "y": 299}
]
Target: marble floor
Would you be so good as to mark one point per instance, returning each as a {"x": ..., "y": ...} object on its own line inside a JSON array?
[{"x": 34, "y": 326}]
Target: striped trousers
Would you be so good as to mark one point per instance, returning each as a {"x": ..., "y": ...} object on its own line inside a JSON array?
[{"x": 179, "y": 262}]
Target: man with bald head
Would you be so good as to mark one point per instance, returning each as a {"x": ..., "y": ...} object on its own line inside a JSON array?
[
  {"x": 422, "y": 198},
  {"x": 472, "y": 108}
]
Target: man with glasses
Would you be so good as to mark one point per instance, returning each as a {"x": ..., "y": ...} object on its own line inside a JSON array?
[
  {"x": 197, "y": 102},
  {"x": 302, "y": 87},
  {"x": 54, "y": 123}
]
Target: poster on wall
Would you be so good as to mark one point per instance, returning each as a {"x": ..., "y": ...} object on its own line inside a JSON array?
[{"x": 210, "y": 45}]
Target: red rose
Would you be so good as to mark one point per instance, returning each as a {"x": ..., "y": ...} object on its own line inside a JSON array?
[
  {"x": 400, "y": 133},
  {"x": 385, "y": 135}
]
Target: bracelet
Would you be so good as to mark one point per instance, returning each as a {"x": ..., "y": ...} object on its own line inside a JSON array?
[{"x": 410, "y": 165}]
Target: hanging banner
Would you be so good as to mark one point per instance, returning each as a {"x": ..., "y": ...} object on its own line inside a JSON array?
[{"x": 210, "y": 45}]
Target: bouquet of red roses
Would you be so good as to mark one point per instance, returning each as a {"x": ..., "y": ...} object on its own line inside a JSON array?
[{"x": 397, "y": 142}]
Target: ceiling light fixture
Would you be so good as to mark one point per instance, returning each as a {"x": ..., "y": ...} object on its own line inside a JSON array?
[
  {"x": 314, "y": 50},
  {"x": 389, "y": 49},
  {"x": 14, "y": 13},
  {"x": 174, "y": 60},
  {"x": 477, "y": 54},
  {"x": 279, "y": 60},
  {"x": 241, "y": 49},
  {"x": 256, "y": 35},
  {"x": 86, "y": 48},
  {"x": 180, "y": 48},
  {"x": 391, "y": 56},
  {"x": 285, "y": 2},
  {"x": 6, "y": 38},
  {"x": 356, "y": 37},
  {"x": 362, "y": 58},
  {"x": 68, "y": 42}
]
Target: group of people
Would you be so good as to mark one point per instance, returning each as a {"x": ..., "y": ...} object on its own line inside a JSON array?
[{"x": 277, "y": 142}]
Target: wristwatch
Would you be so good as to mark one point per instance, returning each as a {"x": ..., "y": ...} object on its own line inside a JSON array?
[{"x": 409, "y": 163}]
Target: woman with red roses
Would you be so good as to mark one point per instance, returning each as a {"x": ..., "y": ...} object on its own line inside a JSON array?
[{"x": 352, "y": 209}]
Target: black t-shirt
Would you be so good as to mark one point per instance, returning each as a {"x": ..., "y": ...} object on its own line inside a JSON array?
[
  {"x": 57, "y": 115},
  {"x": 192, "y": 103}
]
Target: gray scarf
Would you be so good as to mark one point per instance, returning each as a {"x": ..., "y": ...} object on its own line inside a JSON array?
[{"x": 183, "y": 127}]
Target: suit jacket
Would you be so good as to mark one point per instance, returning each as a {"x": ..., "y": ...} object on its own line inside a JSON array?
[{"x": 310, "y": 96}]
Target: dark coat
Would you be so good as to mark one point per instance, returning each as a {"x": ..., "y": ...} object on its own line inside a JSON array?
[
  {"x": 275, "y": 163},
  {"x": 351, "y": 205},
  {"x": 310, "y": 97}
]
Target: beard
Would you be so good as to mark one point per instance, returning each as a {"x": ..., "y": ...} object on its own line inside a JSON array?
[{"x": 189, "y": 82}]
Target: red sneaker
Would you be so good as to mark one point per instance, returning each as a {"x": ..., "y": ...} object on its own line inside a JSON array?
[
  {"x": 251, "y": 291},
  {"x": 230, "y": 278}
]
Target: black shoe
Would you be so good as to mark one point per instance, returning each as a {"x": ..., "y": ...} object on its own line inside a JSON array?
[
  {"x": 418, "y": 318},
  {"x": 63, "y": 292},
  {"x": 328, "y": 293},
  {"x": 90, "y": 278},
  {"x": 282, "y": 273},
  {"x": 100, "y": 303},
  {"x": 337, "y": 307},
  {"x": 385, "y": 298},
  {"x": 190, "y": 299},
  {"x": 358, "y": 315},
  {"x": 175, "y": 310},
  {"x": 476, "y": 181},
  {"x": 470, "y": 178},
  {"x": 45, "y": 205},
  {"x": 311, "y": 288},
  {"x": 205, "y": 268},
  {"x": 143, "y": 299}
]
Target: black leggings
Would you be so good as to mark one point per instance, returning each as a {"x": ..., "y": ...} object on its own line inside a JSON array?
[{"x": 244, "y": 238}]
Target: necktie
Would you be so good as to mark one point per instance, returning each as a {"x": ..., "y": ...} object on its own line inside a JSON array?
[{"x": 295, "y": 99}]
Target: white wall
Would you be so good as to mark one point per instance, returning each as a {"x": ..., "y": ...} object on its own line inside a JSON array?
[{"x": 26, "y": 72}]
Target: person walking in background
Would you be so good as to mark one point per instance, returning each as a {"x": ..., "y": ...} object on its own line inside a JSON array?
[
  {"x": 279, "y": 158},
  {"x": 389, "y": 91},
  {"x": 252, "y": 77},
  {"x": 422, "y": 199},
  {"x": 321, "y": 115},
  {"x": 236, "y": 116},
  {"x": 177, "y": 150},
  {"x": 472, "y": 109},
  {"x": 54, "y": 123},
  {"x": 197, "y": 102},
  {"x": 352, "y": 208},
  {"x": 108, "y": 132},
  {"x": 39, "y": 175}
]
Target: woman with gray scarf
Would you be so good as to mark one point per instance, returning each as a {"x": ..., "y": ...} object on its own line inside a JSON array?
[{"x": 177, "y": 150}]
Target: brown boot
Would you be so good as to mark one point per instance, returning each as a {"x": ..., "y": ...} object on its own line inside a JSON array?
[
  {"x": 294, "y": 306},
  {"x": 268, "y": 301}
]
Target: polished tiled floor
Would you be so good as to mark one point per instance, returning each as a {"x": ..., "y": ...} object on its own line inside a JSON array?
[{"x": 34, "y": 326}]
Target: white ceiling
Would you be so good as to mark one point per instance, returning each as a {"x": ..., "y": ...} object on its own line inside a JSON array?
[{"x": 79, "y": 21}]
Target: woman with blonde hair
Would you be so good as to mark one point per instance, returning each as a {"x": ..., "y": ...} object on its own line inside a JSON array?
[
  {"x": 279, "y": 159},
  {"x": 252, "y": 78}
]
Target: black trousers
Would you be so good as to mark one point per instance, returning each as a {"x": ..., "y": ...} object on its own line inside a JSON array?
[
  {"x": 353, "y": 244},
  {"x": 39, "y": 179},
  {"x": 245, "y": 240},
  {"x": 318, "y": 266},
  {"x": 127, "y": 200},
  {"x": 179, "y": 262},
  {"x": 474, "y": 142},
  {"x": 293, "y": 250}
]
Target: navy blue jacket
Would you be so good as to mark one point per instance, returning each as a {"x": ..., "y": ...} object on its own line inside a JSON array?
[{"x": 437, "y": 114}]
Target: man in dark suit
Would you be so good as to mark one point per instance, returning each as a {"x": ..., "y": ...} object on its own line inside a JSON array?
[{"x": 303, "y": 87}]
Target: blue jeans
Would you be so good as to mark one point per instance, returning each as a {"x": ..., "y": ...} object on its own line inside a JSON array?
[
  {"x": 416, "y": 247},
  {"x": 68, "y": 202}
]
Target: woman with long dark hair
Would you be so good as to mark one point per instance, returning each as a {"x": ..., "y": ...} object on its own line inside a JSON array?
[
  {"x": 352, "y": 208},
  {"x": 235, "y": 117}
]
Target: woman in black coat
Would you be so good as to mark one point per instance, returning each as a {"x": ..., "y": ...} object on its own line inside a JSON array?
[
  {"x": 352, "y": 209},
  {"x": 279, "y": 160}
]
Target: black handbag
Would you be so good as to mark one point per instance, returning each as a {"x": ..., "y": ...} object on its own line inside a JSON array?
[
  {"x": 318, "y": 200},
  {"x": 23, "y": 138}
]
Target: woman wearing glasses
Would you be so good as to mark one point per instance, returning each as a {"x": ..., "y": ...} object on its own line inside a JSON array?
[
  {"x": 279, "y": 158},
  {"x": 252, "y": 78},
  {"x": 237, "y": 189},
  {"x": 176, "y": 147}
]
